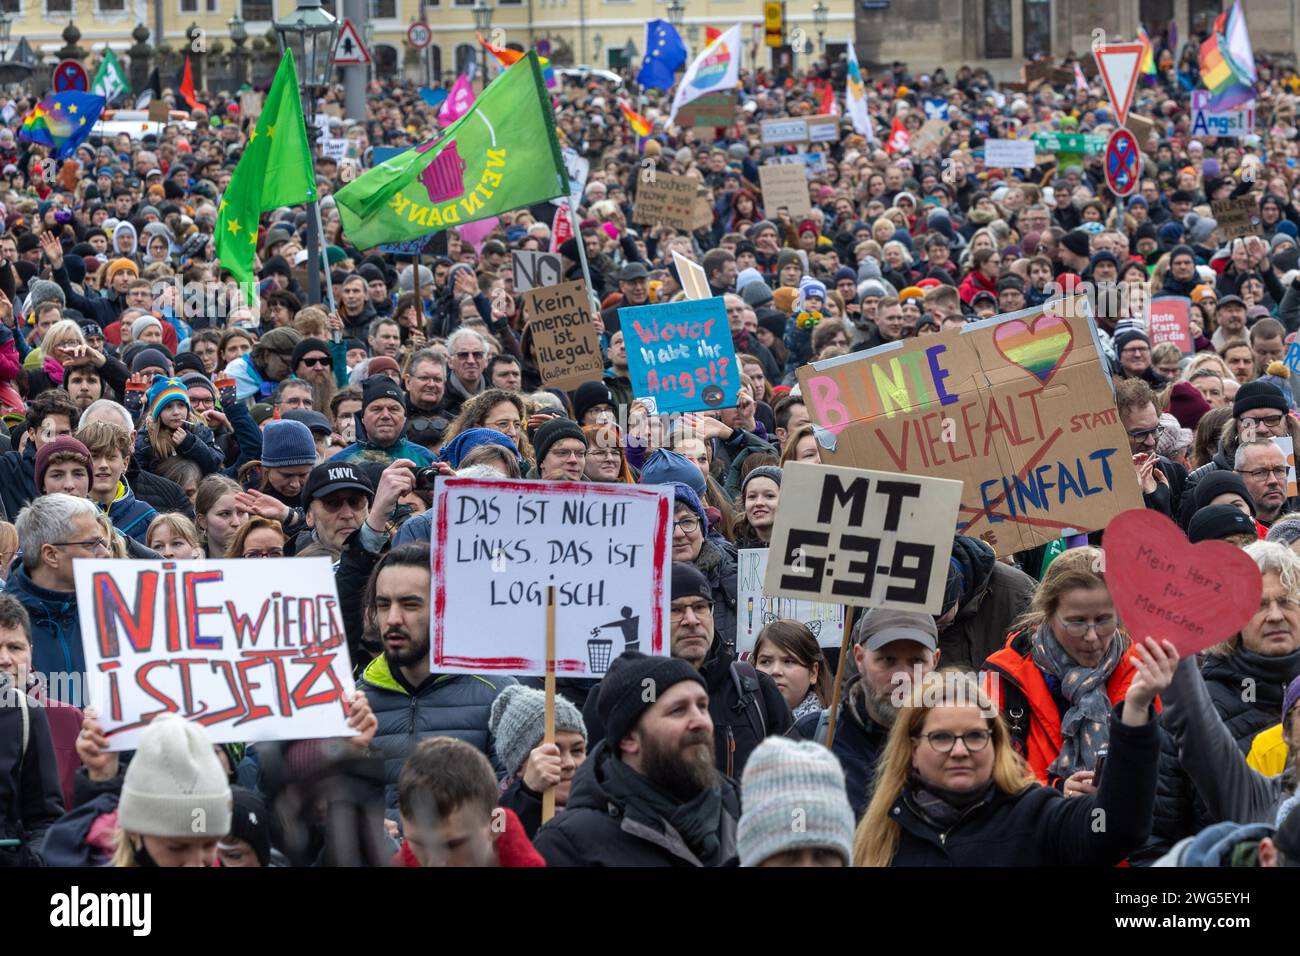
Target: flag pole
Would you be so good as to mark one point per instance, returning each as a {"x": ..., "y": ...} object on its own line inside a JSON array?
[
  {"x": 320, "y": 231},
  {"x": 582, "y": 254}
]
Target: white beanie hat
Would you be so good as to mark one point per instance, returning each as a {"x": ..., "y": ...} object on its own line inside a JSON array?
[
  {"x": 786, "y": 780},
  {"x": 174, "y": 785}
]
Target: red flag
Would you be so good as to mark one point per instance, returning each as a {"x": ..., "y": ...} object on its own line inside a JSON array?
[
  {"x": 561, "y": 229},
  {"x": 899, "y": 137},
  {"x": 827, "y": 106},
  {"x": 187, "y": 85}
]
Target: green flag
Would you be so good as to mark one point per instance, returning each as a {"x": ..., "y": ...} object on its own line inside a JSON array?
[
  {"x": 499, "y": 156},
  {"x": 110, "y": 79},
  {"x": 274, "y": 171}
]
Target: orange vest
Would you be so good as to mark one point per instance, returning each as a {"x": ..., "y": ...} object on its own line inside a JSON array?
[{"x": 1042, "y": 741}]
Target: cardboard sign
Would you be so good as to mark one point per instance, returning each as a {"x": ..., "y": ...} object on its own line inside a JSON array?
[
  {"x": 670, "y": 200},
  {"x": 1169, "y": 322},
  {"x": 868, "y": 538},
  {"x": 607, "y": 548},
  {"x": 1141, "y": 127},
  {"x": 785, "y": 186},
  {"x": 1009, "y": 153},
  {"x": 250, "y": 104},
  {"x": 1288, "y": 449},
  {"x": 1195, "y": 595},
  {"x": 811, "y": 163},
  {"x": 159, "y": 111},
  {"x": 680, "y": 356},
  {"x": 252, "y": 650},
  {"x": 716, "y": 109},
  {"x": 1237, "y": 218},
  {"x": 1018, "y": 407},
  {"x": 932, "y": 134},
  {"x": 1205, "y": 122},
  {"x": 755, "y": 610},
  {"x": 695, "y": 283},
  {"x": 564, "y": 335},
  {"x": 536, "y": 270},
  {"x": 579, "y": 168},
  {"x": 777, "y": 132},
  {"x": 823, "y": 129}
]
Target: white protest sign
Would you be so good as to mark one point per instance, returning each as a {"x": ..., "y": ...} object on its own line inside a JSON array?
[
  {"x": 497, "y": 545},
  {"x": 694, "y": 281},
  {"x": 1239, "y": 122},
  {"x": 779, "y": 131},
  {"x": 579, "y": 167},
  {"x": 334, "y": 147},
  {"x": 252, "y": 650},
  {"x": 868, "y": 538},
  {"x": 1009, "y": 153},
  {"x": 756, "y": 610},
  {"x": 536, "y": 270}
]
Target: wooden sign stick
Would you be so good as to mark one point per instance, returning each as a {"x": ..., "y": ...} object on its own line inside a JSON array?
[
  {"x": 839, "y": 673},
  {"x": 548, "y": 798}
]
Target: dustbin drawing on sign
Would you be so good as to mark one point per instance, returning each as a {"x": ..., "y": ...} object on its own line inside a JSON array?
[
  {"x": 444, "y": 176},
  {"x": 600, "y": 649}
]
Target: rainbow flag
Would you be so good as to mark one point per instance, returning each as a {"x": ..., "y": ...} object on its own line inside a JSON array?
[
  {"x": 1228, "y": 61},
  {"x": 508, "y": 57},
  {"x": 1148, "y": 65},
  {"x": 62, "y": 121},
  {"x": 640, "y": 125}
]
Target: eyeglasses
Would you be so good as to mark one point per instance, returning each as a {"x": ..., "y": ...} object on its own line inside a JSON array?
[
  {"x": 1268, "y": 421},
  {"x": 942, "y": 741},
  {"x": 268, "y": 553},
  {"x": 1263, "y": 474},
  {"x": 609, "y": 454},
  {"x": 573, "y": 453},
  {"x": 428, "y": 425},
  {"x": 698, "y": 608},
  {"x": 335, "y": 502},
  {"x": 1286, "y": 605},
  {"x": 466, "y": 356},
  {"x": 1146, "y": 434},
  {"x": 429, "y": 379},
  {"x": 1134, "y": 350},
  {"x": 687, "y": 525},
  {"x": 1075, "y": 627},
  {"x": 315, "y": 362},
  {"x": 90, "y": 544}
]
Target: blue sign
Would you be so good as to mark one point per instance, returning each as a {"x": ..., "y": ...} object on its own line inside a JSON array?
[
  {"x": 680, "y": 356},
  {"x": 936, "y": 108}
]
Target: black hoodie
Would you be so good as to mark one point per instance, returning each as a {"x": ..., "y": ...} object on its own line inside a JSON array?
[{"x": 992, "y": 596}]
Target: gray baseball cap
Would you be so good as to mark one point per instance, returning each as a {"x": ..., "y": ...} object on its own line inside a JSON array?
[{"x": 881, "y": 626}]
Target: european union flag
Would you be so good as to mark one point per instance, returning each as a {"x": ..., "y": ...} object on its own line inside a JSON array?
[
  {"x": 62, "y": 121},
  {"x": 665, "y": 54}
]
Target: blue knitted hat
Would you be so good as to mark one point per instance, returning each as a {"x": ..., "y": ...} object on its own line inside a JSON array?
[
  {"x": 286, "y": 443},
  {"x": 472, "y": 438},
  {"x": 664, "y": 467}
]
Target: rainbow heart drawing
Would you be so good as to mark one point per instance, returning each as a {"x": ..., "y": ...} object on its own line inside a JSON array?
[{"x": 1039, "y": 348}]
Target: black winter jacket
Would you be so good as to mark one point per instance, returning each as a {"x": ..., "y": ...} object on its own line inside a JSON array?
[
  {"x": 594, "y": 830},
  {"x": 858, "y": 743},
  {"x": 1038, "y": 826},
  {"x": 31, "y": 798}
]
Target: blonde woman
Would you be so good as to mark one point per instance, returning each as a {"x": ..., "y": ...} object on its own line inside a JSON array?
[
  {"x": 952, "y": 791},
  {"x": 175, "y": 537},
  {"x": 62, "y": 349}
]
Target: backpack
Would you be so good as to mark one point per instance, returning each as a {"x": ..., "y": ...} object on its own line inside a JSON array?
[{"x": 749, "y": 691}]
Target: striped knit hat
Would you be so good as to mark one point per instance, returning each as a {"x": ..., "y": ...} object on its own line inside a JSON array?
[
  {"x": 793, "y": 796},
  {"x": 163, "y": 392}
]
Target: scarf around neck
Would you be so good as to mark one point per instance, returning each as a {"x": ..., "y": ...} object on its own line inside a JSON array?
[
  {"x": 696, "y": 821},
  {"x": 1085, "y": 727}
]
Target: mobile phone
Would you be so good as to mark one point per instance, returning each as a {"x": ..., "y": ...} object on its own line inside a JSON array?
[{"x": 1096, "y": 770}]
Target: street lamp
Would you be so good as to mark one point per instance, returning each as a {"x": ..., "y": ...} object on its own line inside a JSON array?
[
  {"x": 693, "y": 35},
  {"x": 6, "y": 24},
  {"x": 238, "y": 36},
  {"x": 310, "y": 33},
  {"x": 676, "y": 10},
  {"x": 820, "y": 15},
  {"x": 483, "y": 22}
]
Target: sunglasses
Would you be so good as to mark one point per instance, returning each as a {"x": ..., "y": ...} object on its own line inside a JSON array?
[{"x": 315, "y": 362}]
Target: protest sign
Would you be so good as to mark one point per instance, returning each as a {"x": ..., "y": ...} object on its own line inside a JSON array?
[
  {"x": 1194, "y": 595},
  {"x": 670, "y": 200},
  {"x": 680, "y": 356},
  {"x": 579, "y": 167},
  {"x": 1237, "y": 218},
  {"x": 1169, "y": 322},
  {"x": 867, "y": 538},
  {"x": 756, "y": 610},
  {"x": 158, "y": 111},
  {"x": 1019, "y": 408},
  {"x": 1288, "y": 449},
  {"x": 334, "y": 147},
  {"x": 250, "y": 105},
  {"x": 252, "y": 650},
  {"x": 934, "y": 132},
  {"x": 535, "y": 270},
  {"x": 1009, "y": 153},
  {"x": 1206, "y": 122},
  {"x": 694, "y": 282},
  {"x": 1292, "y": 358},
  {"x": 497, "y": 545},
  {"x": 1141, "y": 127},
  {"x": 777, "y": 132},
  {"x": 716, "y": 109},
  {"x": 823, "y": 129},
  {"x": 810, "y": 163},
  {"x": 785, "y": 186},
  {"x": 564, "y": 335}
]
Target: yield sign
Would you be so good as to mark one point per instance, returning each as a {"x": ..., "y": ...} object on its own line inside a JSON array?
[
  {"x": 349, "y": 49},
  {"x": 1119, "y": 64}
]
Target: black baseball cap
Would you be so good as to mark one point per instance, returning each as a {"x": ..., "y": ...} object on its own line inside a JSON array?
[
  {"x": 332, "y": 476},
  {"x": 312, "y": 419},
  {"x": 633, "y": 271}
]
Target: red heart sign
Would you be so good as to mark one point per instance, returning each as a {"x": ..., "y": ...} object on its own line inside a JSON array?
[{"x": 1194, "y": 595}]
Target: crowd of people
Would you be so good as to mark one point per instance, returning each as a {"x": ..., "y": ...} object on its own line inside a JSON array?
[{"x": 152, "y": 409}]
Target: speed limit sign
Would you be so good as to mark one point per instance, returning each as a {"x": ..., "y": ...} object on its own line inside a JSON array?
[{"x": 419, "y": 35}]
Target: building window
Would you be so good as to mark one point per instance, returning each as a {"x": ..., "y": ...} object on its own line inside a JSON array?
[
  {"x": 258, "y": 11},
  {"x": 58, "y": 6},
  {"x": 111, "y": 6},
  {"x": 1038, "y": 28},
  {"x": 383, "y": 9},
  {"x": 997, "y": 29},
  {"x": 189, "y": 6},
  {"x": 464, "y": 58},
  {"x": 9, "y": 6}
]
